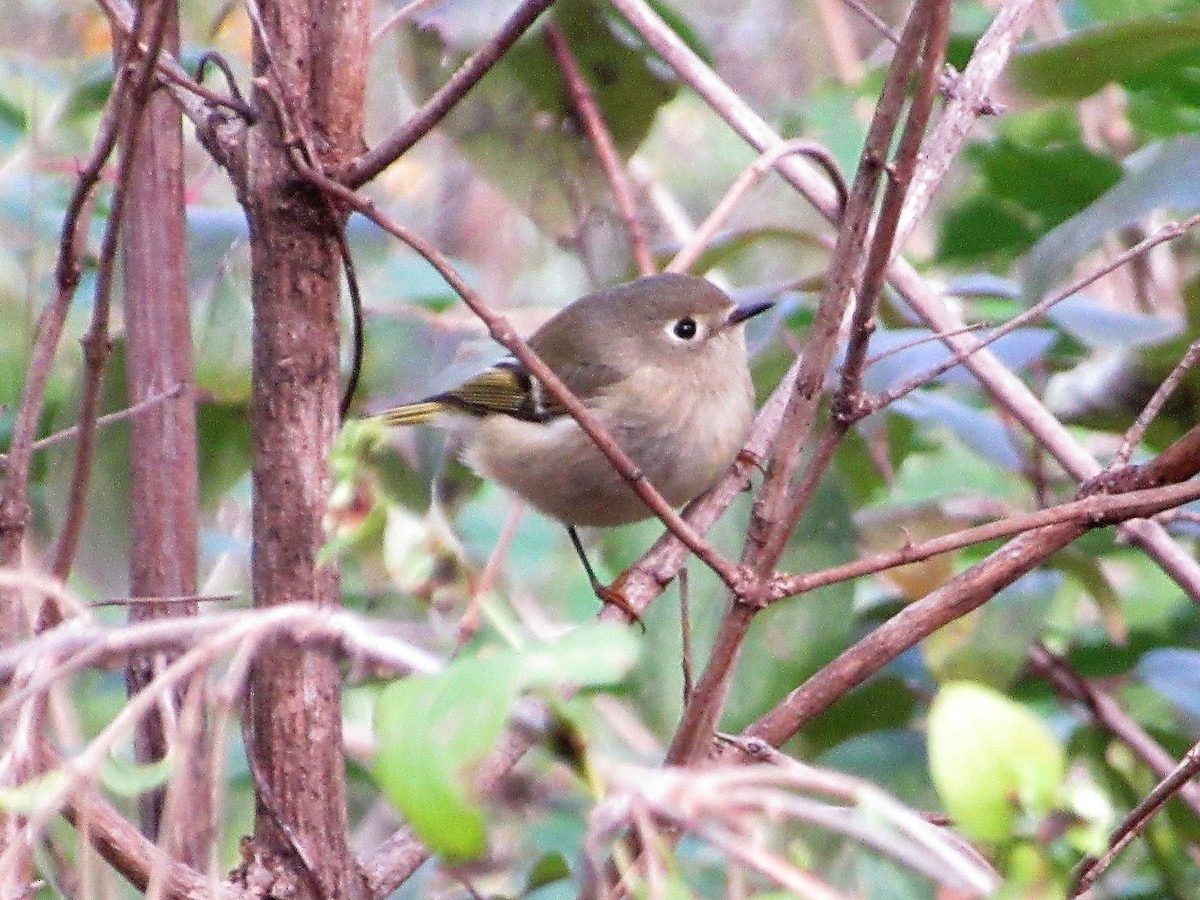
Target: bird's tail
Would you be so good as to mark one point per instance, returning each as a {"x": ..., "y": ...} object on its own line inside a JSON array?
[{"x": 412, "y": 413}]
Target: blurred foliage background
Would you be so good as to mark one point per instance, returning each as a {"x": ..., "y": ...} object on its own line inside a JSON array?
[{"x": 1091, "y": 148}]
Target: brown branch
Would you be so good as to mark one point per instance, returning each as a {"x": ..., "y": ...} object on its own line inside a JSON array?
[
  {"x": 776, "y": 511},
  {"x": 96, "y": 343},
  {"x": 444, "y": 99},
  {"x": 606, "y": 150},
  {"x": 968, "y": 99},
  {"x": 112, "y": 418},
  {"x": 163, "y": 467},
  {"x": 1005, "y": 387},
  {"x": 1097, "y": 511},
  {"x": 689, "y": 254},
  {"x": 921, "y": 51},
  {"x": 965, "y": 592},
  {"x": 1137, "y": 820},
  {"x": 14, "y": 507},
  {"x": 503, "y": 333},
  {"x": 1154, "y": 405},
  {"x": 223, "y": 135},
  {"x": 14, "y": 503},
  {"x": 1168, "y": 232},
  {"x": 136, "y": 857},
  {"x": 647, "y": 578},
  {"x": 1108, "y": 715}
]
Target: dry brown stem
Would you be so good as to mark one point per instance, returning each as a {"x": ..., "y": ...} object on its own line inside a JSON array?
[
  {"x": 606, "y": 150},
  {"x": 387, "y": 151}
]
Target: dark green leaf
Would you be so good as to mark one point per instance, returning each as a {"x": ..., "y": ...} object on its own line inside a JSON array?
[
  {"x": 982, "y": 226},
  {"x": 549, "y": 868},
  {"x": 518, "y": 127},
  {"x": 1081, "y": 63},
  {"x": 1161, "y": 175}
]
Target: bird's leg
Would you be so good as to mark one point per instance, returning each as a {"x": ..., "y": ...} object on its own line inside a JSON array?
[{"x": 607, "y": 595}]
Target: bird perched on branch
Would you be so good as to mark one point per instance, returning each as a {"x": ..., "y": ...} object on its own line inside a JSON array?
[{"x": 660, "y": 363}]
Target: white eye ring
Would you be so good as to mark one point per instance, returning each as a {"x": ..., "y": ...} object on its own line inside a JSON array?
[{"x": 684, "y": 330}]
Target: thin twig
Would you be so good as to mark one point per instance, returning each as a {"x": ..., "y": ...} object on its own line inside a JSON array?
[
  {"x": 1154, "y": 405},
  {"x": 96, "y": 342},
  {"x": 968, "y": 99},
  {"x": 589, "y": 111},
  {"x": 1108, "y": 715},
  {"x": 917, "y": 342},
  {"x": 685, "y": 634},
  {"x": 120, "y": 415},
  {"x": 400, "y": 15},
  {"x": 877, "y": 23},
  {"x": 1137, "y": 820},
  {"x": 165, "y": 601},
  {"x": 966, "y": 350},
  {"x": 778, "y": 508},
  {"x": 921, "y": 50},
  {"x": 468, "y": 622},
  {"x": 503, "y": 333},
  {"x": 691, "y": 252},
  {"x": 14, "y": 507},
  {"x": 963, "y": 593},
  {"x": 1096, "y": 511},
  {"x": 222, "y": 135},
  {"x": 447, "y": 96}
]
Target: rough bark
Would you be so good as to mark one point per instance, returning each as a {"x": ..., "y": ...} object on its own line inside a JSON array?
[
  {"x": 164, "y": 486},
  {"x": 310, "y": 67}
]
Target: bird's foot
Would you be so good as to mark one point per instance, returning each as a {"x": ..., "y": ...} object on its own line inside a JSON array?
[{"x": 613, "y": 596}]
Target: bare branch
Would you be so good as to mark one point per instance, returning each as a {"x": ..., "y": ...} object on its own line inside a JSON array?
[
  {"x": 121, "y": 415},
  {"x": 1136, "y": 821},
  {"x": 1108, "y": 715},
  {"x": 606, "y": 150},
  {"x": 778, "y": 508},
  {"x": 1097, "y": 511},
  {"x": 689, "y": 254},
  {"x": 96, "y": 343},
  {"x": 968, "y": 100},
  {"x": 444, "y": 99},
  {"x": 1154, "y": 405},
  {"x": 503, "y": 332},
  {"x": 960, "y": 595}
]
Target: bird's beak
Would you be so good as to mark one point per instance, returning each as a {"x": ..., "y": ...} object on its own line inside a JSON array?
[{"x": 747, "y": 311}]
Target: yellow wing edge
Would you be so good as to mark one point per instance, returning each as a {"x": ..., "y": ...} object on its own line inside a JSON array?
[{"x": 412, "y": 413}]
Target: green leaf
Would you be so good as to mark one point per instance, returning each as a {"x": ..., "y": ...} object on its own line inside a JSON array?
[
  {"x": 549, "y": 868},
  {"x": 435, "y": 730},
  {"x": 590, "y": 656},
  {"x": 127, "y": 778},
  {"x": 1166, "y": 174},
  {"x": 1054, "y": 182},
  {"x": 30, "y": 797},
  {"x": 225, "y": 448},
  {"x": 991, "y": 760},
  {"x": 518, "y": 126},
  {"x": 981, "y": 226},
  {"x": 1077, "y": 66}
]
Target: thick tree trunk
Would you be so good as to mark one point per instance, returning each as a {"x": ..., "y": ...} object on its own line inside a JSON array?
[{"x": 312, "y": 65}]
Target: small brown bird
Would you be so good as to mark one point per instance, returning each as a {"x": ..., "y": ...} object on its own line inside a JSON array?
[{"x": 661, "y": 363}]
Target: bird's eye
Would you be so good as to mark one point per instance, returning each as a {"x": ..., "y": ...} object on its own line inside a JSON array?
[{"x": 685, "y": 329}]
